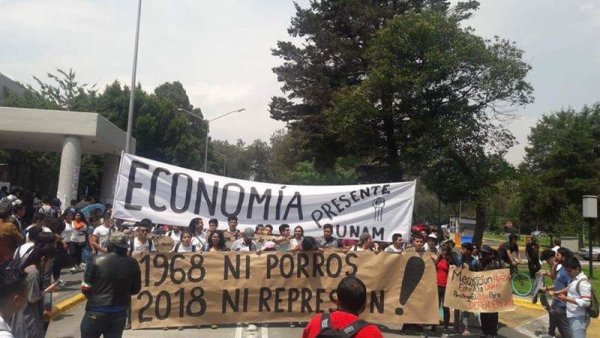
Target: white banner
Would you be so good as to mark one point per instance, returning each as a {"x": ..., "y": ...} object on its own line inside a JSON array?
[{"x": 172, "y": 195}]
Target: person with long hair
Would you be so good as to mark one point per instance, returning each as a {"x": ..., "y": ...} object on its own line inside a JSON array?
[
  {"x": 444, "y": 259},
  {"x": 30, "y": 321},
  {"x": 216, "y": 242},
  {"x": 78, "y": 240},
  {"x": 296, "y": 240}
]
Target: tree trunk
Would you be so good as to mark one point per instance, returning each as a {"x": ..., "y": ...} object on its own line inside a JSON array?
[
  {"x": 480, "y": 220},
  {"x": 395, "y": 172}
]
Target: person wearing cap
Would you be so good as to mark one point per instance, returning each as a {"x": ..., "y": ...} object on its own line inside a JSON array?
[
  {"x": 432, "y": 243},
  {"x": 108, "y": 284},
  {"x": 246, "y": 243}
]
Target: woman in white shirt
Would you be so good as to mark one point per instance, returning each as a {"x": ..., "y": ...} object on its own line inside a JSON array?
[
  {"x": 296, "y": 241},
  {"x": 578, "y": 296},
  {"x": 185, "y": 244}
]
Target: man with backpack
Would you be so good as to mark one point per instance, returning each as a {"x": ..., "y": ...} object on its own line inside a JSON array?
[
  {"x": 344, "y": 322},
  {"x": 580, "y": 299}
]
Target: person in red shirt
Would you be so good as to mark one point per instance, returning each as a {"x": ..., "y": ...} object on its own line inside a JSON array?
[{"x": 351, "y": 301}]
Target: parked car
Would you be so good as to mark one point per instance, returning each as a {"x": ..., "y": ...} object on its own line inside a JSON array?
[{"x": 585, "y": 253}]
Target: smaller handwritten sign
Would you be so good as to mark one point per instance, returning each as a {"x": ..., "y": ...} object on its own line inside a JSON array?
[{"x": 483, "y": 291}]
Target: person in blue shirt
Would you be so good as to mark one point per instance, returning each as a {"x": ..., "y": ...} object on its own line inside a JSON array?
[{"x": 557, "y": 313}]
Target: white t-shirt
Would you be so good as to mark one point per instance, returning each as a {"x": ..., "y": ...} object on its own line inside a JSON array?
[
  {"x": 68, "y": 232},
  {"x": 199, "y": 240},
  {"x": 176, "y": 237},
  {"x": 582, "y": 298},
  {"x": 392, "y": 248},
  {"x": 23, "y": 251},
  {"x": 142, "y": 247},
  {"x": 102, "y": 233},
  {"x": 555, "y": 249},
  {"x": 5, "y": 330},
  {"x": 44, "y": 229},
  {"x": 294, "y": 242},
  {"x": 183, "y": 248}
]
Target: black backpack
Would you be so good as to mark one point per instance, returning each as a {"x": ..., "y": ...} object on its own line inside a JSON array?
[{"x": 346, "y": 332}]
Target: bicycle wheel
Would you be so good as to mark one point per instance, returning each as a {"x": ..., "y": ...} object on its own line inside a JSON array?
[{"x": 521, "y": 284}]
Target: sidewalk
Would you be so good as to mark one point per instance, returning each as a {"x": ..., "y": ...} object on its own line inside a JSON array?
[{"x": 539, "y": 325}]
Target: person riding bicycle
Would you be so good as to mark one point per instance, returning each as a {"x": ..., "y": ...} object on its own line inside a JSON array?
[{"x": 506, "y": 251}]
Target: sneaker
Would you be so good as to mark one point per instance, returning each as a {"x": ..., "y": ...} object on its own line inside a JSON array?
[
  {"x": 61, "y": 283},
  {"x": 73, "y": 269},
  {"x": 214, "y": 326},
  {"x": 128, "y": 326},
  {"x": 82, "y": 266}
]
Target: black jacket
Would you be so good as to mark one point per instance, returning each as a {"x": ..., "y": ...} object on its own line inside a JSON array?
[{"x": 110, "y": 280}]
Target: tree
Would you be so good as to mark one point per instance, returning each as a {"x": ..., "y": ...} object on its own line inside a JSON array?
[
  {"x": 429, "y": 104},
  {"x": 562, "y": 164},
  {"x": 336, "y": 35}
]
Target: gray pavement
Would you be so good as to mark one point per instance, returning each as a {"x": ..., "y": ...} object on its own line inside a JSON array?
[{"x": 67, "y": 326}]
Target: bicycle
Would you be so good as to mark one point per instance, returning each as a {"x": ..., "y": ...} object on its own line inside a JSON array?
[{"x": 520, "y": 282}]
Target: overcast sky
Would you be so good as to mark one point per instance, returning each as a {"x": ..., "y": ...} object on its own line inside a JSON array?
[{"x": 220, "y": 51}]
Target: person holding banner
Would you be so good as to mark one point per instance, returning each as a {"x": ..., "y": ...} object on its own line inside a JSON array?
[
  {"x": 232, "y": 234},
  {"x": 296, "y": 241},
  {"x": 328, "y": 241},
  {"x": 445, "y": 259},
  {"x": 198, "y": 232},
  {"x": 216, "y": 242},
  {"x": 246, "y": 243},
  {"x": 185, "y": 245},
  {"x": 141, "y": 243},
  {"x": 397, "y": 244},
  {"x": 489, "y": 261},
  {"x": 351, "y": 301},
  {"x": 175, "y": 233}
]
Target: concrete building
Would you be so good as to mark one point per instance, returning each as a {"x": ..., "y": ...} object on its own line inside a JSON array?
[
  {"x": 53, "y": 130},
  {"x": 7, "y": 85}
]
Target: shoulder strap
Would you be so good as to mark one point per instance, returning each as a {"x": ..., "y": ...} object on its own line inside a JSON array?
[
  {"x": 150, "y": 244},
  {"x": 354, "y": 327},
  {"x": 193, "y": 248},
  {"x": 579, "y": 282},
  {"x": 325, "y": 321},
  {"x": 176, "y": 248},
  {"x": 131, "y": 245}
]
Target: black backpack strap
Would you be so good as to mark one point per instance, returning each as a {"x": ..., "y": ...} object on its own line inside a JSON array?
[
  {"x": 325, "y": 321},
  {"x": 353, "y": 328},
  {"x": 131, "y": 246},
  {"x": 193, "y": 248},
  {"x": 150, "y": 245},
  {"x": 176, "y": 248}
]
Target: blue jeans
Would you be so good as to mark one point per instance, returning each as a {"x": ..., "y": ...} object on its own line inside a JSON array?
[
  {"x": 110, "y": 325},
  {"x": 578, "y": 326}
]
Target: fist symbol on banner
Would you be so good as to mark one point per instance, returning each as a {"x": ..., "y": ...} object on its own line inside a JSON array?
[{"x": 378, "y": 204}]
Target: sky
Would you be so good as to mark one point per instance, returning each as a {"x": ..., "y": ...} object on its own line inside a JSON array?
[{"x": 221, "y": 51}]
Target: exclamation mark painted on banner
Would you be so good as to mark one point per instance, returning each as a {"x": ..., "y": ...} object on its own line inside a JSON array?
[{"x": 415, "y": 267}]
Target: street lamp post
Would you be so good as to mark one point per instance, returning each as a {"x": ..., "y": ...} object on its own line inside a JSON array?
[
  {"x": 132, "y": 89},
  {"x": 209, "y": 121},
  {"x": 225, "y": 157},
  {"x": 590, "y": 211}
]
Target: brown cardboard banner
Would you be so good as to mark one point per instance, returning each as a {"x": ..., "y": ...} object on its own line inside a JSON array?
[
  {"x": 483, "y": 291},
  {"x": 233, "y": 287}
]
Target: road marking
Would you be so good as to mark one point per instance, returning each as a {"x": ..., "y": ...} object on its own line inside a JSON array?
[
  {"x": 238, "y": 331},
  {"x": 521, "y": 328},
  {"x": 264, "y": 332}
]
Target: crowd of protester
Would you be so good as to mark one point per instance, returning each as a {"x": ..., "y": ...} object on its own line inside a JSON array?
[{"x": 36, "y": 248}]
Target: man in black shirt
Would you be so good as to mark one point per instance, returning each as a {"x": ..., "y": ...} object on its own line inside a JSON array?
[
  {"x": 506, "y": 251},
  {"x": 108, "y": 283}
]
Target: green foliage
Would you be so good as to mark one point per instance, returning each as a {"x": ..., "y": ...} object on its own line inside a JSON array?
[
  {"x": 335, "y": 36},
  {"x": 306, "y": 173},
  {"x": 562, "y": 164}
]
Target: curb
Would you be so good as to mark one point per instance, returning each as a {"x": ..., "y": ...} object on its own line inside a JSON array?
[
  {"x": 526, "y": 303},
  {"x": 66, "y": 305}
]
